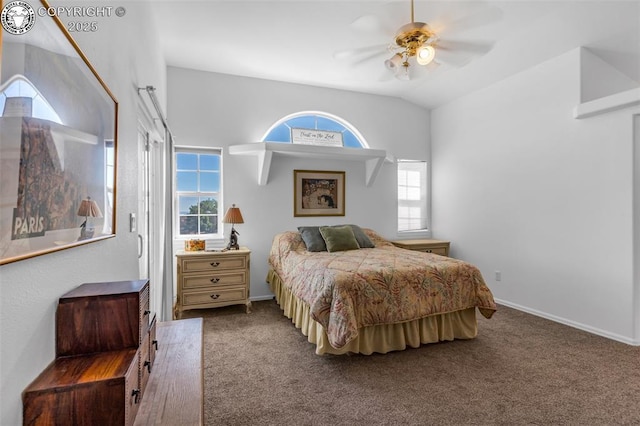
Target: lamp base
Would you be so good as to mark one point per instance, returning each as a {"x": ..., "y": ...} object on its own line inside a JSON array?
[
  {"x": 86, "y": 234},
  {"x": 233, "y": 240}
]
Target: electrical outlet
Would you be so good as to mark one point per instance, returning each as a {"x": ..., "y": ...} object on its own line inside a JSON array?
[{"x": 498, "y": 275}]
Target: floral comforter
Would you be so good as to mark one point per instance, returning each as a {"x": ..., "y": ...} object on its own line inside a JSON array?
[{"x": 348, "y": 290}]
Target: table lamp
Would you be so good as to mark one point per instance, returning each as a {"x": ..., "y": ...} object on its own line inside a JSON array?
[
  {"x": 88, "y": 208},
  {"x": 233, "y": 216}
]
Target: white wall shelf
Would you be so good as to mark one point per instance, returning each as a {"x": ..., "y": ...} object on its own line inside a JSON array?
[
  {"x": 606, "y": 104},
  {"x": 372, "y": 158}
]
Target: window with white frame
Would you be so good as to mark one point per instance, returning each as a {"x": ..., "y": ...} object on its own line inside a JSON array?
[
  {"x": 412, "y": 195},
  {"x": 198, "y": 192}
]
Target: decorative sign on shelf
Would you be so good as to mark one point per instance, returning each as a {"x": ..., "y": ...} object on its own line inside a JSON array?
[{"x": 316, "y": 137}]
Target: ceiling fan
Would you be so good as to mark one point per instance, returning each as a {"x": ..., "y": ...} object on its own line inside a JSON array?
[
  {"x": 419, "y": 45},
  {"x": 414, "y": 39}
]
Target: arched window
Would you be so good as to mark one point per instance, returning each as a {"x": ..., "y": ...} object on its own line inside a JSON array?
[
  {"x": 281, "y": 130},
  {"x": 18, "y": 94}
]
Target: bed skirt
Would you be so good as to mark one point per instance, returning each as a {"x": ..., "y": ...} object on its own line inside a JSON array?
[{"x": 381, "y": 338}]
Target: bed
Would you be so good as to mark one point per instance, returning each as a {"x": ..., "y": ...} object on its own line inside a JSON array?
[{"x": 374, "y": 296}]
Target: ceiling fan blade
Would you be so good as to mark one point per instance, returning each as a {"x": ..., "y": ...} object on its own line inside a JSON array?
[
  {"x": 361, "y": 54},
  {"x": 455, "y": 59},
  {"x": 485, "y": 16},
  {"x": 420, "y": 71},
  {"x": 459, "y": 53},
  {"x": 432, "y": 66},
  {"x": 415, "y": 71},
  {"x": 387, "y": 75},
  {"x": 385, "y": 21},
  {"x": 472, "y": 47},
  {"x": 359, "y": 51},
  {"x": 370, "y": 23}
]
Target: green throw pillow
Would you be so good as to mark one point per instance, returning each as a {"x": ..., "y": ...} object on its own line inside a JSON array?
[
  {"x": 339, "y": 238},
  {"x": 312, "y": 238},
  {"x": 363, "y": 240}
]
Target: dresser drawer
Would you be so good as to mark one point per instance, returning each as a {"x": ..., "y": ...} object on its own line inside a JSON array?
[
  {"x": 144, "y": 365},
  {"x": 132, "y": 391},
  {"x": 192, "y": 281},
  {"x": 144, "y": 313},
  {"x": 214, "y": 297},
  {"x": 89, "y": 389},
  {"x": 153, "y": 342},
  {"x": 200, "y": 264},
  {"x": 102, "y": 317}
]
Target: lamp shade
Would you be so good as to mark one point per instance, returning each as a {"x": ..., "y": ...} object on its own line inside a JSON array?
[
  {"x": 233, "y": 215},
  {"x": 89, "y": 208},
  {"x": 425, "y": 54},
  {"x": 394, "y": 62}
]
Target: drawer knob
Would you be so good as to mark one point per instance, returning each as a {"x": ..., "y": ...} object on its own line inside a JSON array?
[
  {"x": 148, "y": 365},
  {"x": 155, "y": 343},
  {"x": 215, "y": 264},
  {"x": 145, "y": 313},
  {"x": 136, "y": 395},
  {"x": 215, "y": 296},
  {"x": 215, "y": 280}
]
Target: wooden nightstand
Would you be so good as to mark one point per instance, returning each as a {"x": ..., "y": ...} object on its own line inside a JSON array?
[
  {"x": 426, "y": 245},
  {"x": 212, "y": 279}
]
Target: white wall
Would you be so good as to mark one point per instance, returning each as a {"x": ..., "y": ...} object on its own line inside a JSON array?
[
  {"x": 207, "y": 109},
  {"x": 30, "y": 288},
  {"x": 521, "y": 187}
]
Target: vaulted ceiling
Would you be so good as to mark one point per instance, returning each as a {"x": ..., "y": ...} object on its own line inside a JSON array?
[{"x": 342, "y": 44}]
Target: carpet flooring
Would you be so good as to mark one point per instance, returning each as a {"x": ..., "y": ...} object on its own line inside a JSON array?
[{"x": 520, "y": 370}]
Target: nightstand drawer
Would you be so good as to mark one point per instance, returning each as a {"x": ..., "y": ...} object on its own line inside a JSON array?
[
  {"x": 213, "y": 297},
  {"x": 425, "y": 245},
  {"x": 442, "y": 251},
  {"x": 201, "y": 264},
  {"x": 211, "y": 281}
]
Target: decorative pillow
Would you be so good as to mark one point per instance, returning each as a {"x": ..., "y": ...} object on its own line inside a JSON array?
[
  {"x": 363, "y": 240},
  {"x": 339, "y": 238},
  {"x": 312, "y": 238}
]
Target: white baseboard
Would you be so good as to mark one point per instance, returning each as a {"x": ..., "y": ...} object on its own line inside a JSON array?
[{"x": 579, "y": 326}]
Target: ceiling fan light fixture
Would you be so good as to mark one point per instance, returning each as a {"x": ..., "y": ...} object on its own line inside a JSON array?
[
  {"x": 403, "y": 73},
  {"x": 394, "y": 63},
  {"x": 425, "y": 54}
]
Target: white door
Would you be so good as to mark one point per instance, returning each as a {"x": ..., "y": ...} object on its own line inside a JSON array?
[
  {"x": 140, "y": 223},
  {"x": 150, "y": 217}
]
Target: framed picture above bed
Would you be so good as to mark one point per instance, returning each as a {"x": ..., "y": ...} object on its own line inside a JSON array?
[{"x": 318, "y": 193}]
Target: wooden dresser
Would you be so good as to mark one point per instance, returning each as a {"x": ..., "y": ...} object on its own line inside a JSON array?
[
  {"x": 105, "y": 351},
  {"x": 426, "y": 245},
  {"x": 210, "y": 279}
]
